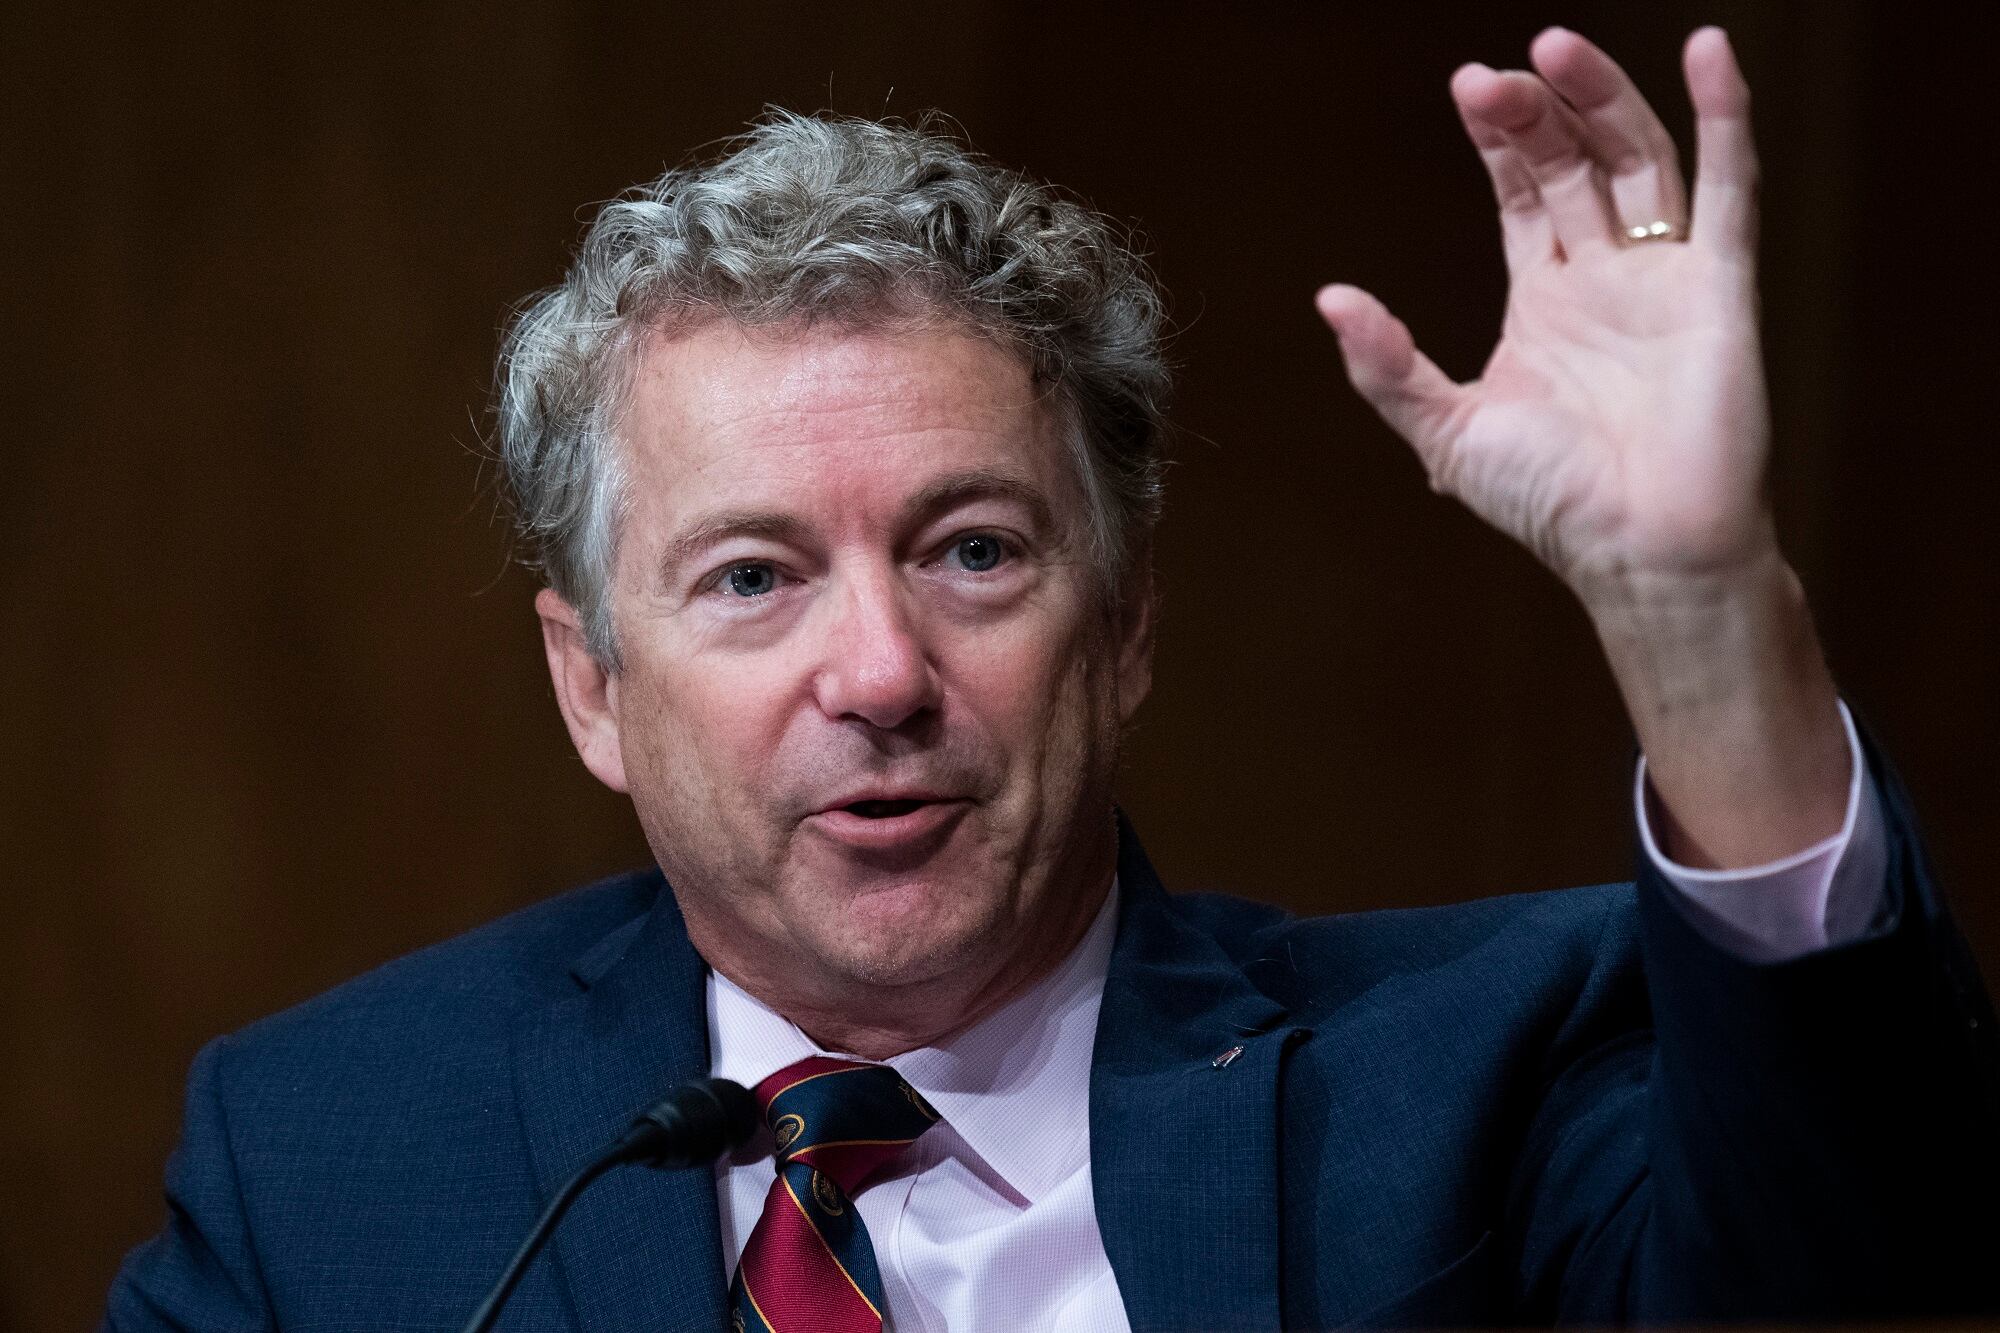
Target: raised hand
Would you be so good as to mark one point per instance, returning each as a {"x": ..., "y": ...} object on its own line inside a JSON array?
[
  {"x": 1621, "y": 424},
  {"x": 1621, "y": 431}
]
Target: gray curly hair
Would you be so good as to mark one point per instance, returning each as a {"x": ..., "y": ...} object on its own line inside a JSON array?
[{"x": 807, "y": 219}]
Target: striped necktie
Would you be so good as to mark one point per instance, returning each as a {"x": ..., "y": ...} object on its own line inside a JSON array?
[{"x": 808, "y": 1266}]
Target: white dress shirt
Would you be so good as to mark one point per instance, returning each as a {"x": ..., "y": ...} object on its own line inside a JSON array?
[{"x": 987, "y": 1222}]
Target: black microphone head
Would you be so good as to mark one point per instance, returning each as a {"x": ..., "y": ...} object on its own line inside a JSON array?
[
  {"x": 738, "y": 1107},
  {"x": 693, "y": 1125}
]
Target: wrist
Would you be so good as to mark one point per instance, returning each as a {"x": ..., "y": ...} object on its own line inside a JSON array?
[
  {"x": 1697, "y": 608},
  {"x": 1704, "y": 574},
  {"x": 1724, "y": 681},
  {"x": 1723, "y": 641}
]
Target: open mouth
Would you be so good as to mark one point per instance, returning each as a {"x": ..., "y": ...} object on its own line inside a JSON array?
[
  {"x": 902, "y": 824},
  {"x": 898, "y": 824},
  {"x": 883, "y": 809}
]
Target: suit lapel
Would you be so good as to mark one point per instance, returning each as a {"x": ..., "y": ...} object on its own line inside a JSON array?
[
  {"x": 641, "y": 1249},
  {"x": 1183, "y": 1121}
]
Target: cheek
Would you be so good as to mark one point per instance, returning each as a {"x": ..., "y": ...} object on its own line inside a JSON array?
[
  {"x": 1048, "y": 694},
  {"x": 697, "y": 741}
]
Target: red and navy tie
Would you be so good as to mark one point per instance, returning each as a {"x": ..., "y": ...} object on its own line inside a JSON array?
[{"x": 808, "y": 1266}]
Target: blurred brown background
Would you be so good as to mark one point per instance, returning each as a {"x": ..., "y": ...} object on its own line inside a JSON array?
[{"x": 275, "y": 706}]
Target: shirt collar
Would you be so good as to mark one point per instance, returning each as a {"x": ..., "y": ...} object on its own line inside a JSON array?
[{"x": 1014, "y": 1087}]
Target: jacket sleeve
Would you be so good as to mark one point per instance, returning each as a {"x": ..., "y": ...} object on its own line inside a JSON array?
[
  {"x": 200, "y": 1272},
  {"x": 1808, "y": 1138}
]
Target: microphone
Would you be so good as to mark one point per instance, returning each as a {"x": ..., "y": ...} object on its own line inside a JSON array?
[{"x": 691, "y": 1126}]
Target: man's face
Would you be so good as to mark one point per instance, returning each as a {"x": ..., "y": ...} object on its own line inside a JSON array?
[{"x": 870, "y": 692}]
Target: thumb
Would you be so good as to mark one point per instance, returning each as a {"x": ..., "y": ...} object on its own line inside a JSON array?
[{"x": 1386, "y": 369}]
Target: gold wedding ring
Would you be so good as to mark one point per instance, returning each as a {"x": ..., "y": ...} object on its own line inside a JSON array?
[{"x": 1662, "y": 230}]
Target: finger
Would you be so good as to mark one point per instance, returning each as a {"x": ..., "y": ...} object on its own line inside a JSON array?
[
  {"x": 1526, "y": 234},
  {"x": 1725, "y": 156},
  {"x": 1551, "y": 143},
  {"x": 1633, "y": 149},
  {"x": 1419, "y": 401}
]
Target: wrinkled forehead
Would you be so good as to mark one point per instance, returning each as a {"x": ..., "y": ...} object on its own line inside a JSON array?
[{"x": 837, "y": 422}]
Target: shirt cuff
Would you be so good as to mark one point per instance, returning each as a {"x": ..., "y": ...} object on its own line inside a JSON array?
[{"x": 1825, "y": 895}]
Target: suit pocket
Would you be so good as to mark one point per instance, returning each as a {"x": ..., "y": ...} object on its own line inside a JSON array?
[{"x": 1457, "y": 1295}]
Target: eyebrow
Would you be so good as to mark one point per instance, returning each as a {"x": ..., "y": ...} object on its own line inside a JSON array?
[
  {"x": 940, "y": 497},
  {"x": 706, "y": 532},
  {"x": 948, "y": 493}
]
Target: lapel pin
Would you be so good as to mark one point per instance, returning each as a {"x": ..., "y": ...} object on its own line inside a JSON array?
[{"x": 1227, "y": 1058}]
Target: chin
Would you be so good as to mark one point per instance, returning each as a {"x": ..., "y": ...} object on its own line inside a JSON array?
[{"x": 908, "y": 934}]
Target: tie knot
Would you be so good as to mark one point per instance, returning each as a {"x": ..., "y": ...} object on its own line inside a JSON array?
[{"x": 842, "y": 1117}]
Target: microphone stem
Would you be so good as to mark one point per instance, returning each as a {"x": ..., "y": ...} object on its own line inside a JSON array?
[
  {"x": 696, "y": 1123},
  {"x": 482, "y": 1318}
]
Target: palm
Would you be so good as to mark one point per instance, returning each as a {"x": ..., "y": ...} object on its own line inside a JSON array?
[
  {"x": 1621, "y": 416},
  {"x": 1621, "y": 421}
]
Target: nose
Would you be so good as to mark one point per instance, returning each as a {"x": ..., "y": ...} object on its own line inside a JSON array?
[{"x": 874, "y": 664}]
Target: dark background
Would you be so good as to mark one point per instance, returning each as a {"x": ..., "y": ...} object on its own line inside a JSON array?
[{"x": 275, "y": 705}]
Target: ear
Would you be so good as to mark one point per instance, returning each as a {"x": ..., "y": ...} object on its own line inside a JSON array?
[
  {"x": 585, "y": 690},
  {"x": 1135, "y": 635}
]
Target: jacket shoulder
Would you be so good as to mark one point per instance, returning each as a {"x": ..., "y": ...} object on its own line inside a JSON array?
[
  {"x": 1314, "y": 963},
  {"x": 455, "y": 989}
]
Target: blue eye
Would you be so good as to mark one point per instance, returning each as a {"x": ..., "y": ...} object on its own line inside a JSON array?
[
  {"x": 750, "y": 580},
  {"x": 979, "y": 552}
]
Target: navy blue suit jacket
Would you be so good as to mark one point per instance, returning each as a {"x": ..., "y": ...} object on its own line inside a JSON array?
[{"x": 1565, "y": 1105}]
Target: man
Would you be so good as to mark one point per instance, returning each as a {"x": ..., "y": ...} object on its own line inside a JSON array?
[{"x": 842, "y": 457}]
